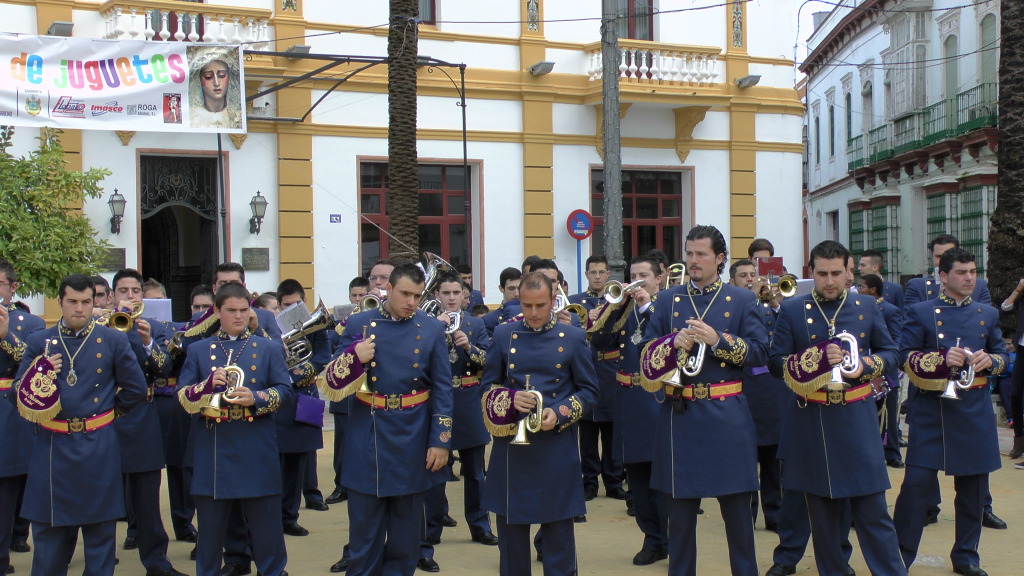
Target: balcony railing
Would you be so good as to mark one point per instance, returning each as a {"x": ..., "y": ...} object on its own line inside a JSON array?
[
  {"x": 855, "y": 152},
  {"x": 946, "y": 119},
  {"x": 185, "y": 21},
  {"x": 879, "y": 147},
  {"x": 646, "y": 62}
]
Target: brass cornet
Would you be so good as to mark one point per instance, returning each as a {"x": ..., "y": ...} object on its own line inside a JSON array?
[
  {"x": 562, "y": 303},
  {"x": 850, "y": 364},
  {"x": 616, "y": 292},
  {"x": 213, "y": 408},
  {"x": 122, "y": 320},
  {"x": 786, "y": 285},
  {"x": 964, "y": 378},
  {"x": 533, "y": 421}
]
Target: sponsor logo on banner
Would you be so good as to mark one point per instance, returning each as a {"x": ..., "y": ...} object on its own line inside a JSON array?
[
  {"x": 141, "y": 109},
  {"x": 32, "y": 105},
  {"x": 68, "y": 107},
  {"x": 108, "y": 108}
]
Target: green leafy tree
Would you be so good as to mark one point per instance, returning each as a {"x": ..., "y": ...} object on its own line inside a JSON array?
[{"x": 41, "y": 233}]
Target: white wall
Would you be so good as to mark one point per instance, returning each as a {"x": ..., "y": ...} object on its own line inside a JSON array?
[{"x": 779, "y": 205}]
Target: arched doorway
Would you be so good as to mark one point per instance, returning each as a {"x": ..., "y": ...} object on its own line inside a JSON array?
[{"x": 178, "y": 196}]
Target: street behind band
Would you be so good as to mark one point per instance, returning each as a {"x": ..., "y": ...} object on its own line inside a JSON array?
[{"x": 647, "y": 367}]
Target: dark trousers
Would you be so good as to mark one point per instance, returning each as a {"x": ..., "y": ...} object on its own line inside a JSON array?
[
  {"x": 143, "y": 493},
  {"x": 237, "y": 540},
  {"x": 891, "y": 433},
  {"x": 293, "y": 471},
  {"x": 340, "y": 422},
  {"x": 264, "y": 520},
  {"x": 384, "y": 533},
  {"x": 935, "y": 496},
  {"x": 9, "y": 487},
  {"x": 606, "y": 461},
  {"x": 54, "y": 545},
  {"x": 310, "y": 482},
  {"x": 875, "y": 533},
  {"x": 21, "y": 525},
  {"x": 912, "y": 504},
  {"x": 651, "y": 507},
  {"x": 558, "y": 548},
  {"x": 739, "y": 533},
  {"x": 435, "y": 506},
  {"x": 473, "y": 481},
  {"x": 771, "y": 486},
  {"x": 1017, "y": 392},
  {"x": 179, "y": 494}
]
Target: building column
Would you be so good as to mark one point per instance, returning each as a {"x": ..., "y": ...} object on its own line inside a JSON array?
[
  {"x": 538, "y": 138},
  {"x": 742, "y": 136}
]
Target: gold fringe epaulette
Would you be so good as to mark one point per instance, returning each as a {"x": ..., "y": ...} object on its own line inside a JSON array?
[
  {"x": 605, "y": 313},
  {"x": 203, "y": 326}
]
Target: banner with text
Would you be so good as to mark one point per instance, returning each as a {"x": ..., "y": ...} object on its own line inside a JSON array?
[{"x": 92, "y": 84}]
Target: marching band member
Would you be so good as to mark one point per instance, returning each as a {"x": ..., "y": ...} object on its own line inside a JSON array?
[
  {"x": 871, "y": 263},
  {"x": 552, "y": 361},
  {"x": 829, "y": 446},
  {"x": 637, "y": 409},
  {"x": 404, "y": 413},
  {"x": 717, "y": 325},
  {"x": 16, "y": 325},
  {"x": 508, "y": 285},
  {"x": 888, "y": 408},
  {"x": 953, "y": 430},
  {"x": 235, "y": 447},
  {"x": 929, "y": 287},
  {"x": 74, "y": 378}
]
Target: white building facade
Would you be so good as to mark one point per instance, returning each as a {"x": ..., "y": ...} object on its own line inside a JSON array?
[
  {"x": 696, "y": 147},
  {"x": 902, "y": 127}
]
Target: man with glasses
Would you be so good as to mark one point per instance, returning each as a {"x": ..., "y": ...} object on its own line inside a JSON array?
[
  {"x": 380, "y": 274},
  {"x": 103, "y": 292},
  {"x": 597, "y": 424}
]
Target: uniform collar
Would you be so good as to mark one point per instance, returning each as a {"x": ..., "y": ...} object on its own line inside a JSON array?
[
  {"x": 225, "y": 336},
  {"x": 692, "y": 288},
  {"x": 590, "y": 293},
  {"x": 879, "y": 300},
  {"x": 952, "y": 301},
  {"x": 551, "y": 324},
  {"x": 820, "y": 298},
  {"x": 65, "y": 331},
  {"x": 388, "y": 316}
]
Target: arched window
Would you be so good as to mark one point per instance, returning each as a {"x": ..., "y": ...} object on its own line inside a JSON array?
[
  {"x": 989, "y": 49},
  {"x": 849, "y": 116},
  {"x": 950, "y": 70},
  {"x": 817, "y": 140},
  {"x": 831, "y": 131}
]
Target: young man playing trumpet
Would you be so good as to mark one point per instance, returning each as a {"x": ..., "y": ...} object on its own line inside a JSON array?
[
  {"x": 952, "y": 344},
  {"x": 829, "y": 446}
]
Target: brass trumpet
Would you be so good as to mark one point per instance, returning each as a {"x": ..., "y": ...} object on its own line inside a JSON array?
[
  {"x": 122, "y": 320},
  {"x": 616, "y": 293},
  {"x": 532, "y": 422},
  {"x": 213, "y": 408},
  {"x": 786, "y": 286},
  {"x": 850, "y": 364},
  {"x": 676, "y": 272},
  {"x": 964, "y": 378},
  {"x": 562, "y": 303}
]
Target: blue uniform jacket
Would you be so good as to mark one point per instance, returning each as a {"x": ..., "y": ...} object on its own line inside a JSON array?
[
  {"x": 894, "y": 321},
  {"x": 293, "y": 436},
  {"x": 16, "y": 431},
  {"x": 385, "y": 450},
  {"x": 238, "y": 456},
  {"x": 927, "y": 288},
  {"x": 637, "y": 409},
  {"x": 468, "y": 428},
  {"x": 892, "y": 293},
  {"x": 604, "y": 409},
  {"x": 710, "y": 448},
  {"x": 75, "y": 479},
  {"x": 542, "y": 482},
  {"x": 503, "y": 313},
  {"x": 958, "y": 436},
  {"x": 139, "y": 431},
  {"x": 768, "y": 397},
  {"x": 832, "y": 450}
]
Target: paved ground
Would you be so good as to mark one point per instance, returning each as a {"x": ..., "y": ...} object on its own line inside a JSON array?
[{"x": 609, "y": 539}]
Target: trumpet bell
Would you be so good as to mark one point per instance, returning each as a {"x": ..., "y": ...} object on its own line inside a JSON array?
[
  {"x": 950, "y": 391},
  {"x": 369, "y": 302},
  {"x": 788, "y": 285},
  {"x": 121, "y": 321}
]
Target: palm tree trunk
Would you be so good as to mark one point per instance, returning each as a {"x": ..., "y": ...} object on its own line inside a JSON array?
[
  {"x": 1006, "y": 235},
  {"x": 403, "y": 175}
]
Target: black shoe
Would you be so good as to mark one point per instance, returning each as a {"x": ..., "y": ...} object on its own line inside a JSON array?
[
  {"x": 540, "y": 556},
  {"x": 428, "y": 565},
  {"x": 318, "y": 505},
  {"x": 341, "y": 565},
  {"x": 169, "y": 572},
  {"x": 771, "y": 527},
  {"x": 630, "y": 508},
  {"x": 580, "y": 519},
  {"x": 933, "y": 519},
  {"x": 20, "y": 546},
  {"x": 452, "y": 477},
  {"x": 190, "y": 536},
  {"x": 895, "y": 463},
  {"x": 337, "y": 497},
  {"x": 192, "y": 554},
  {"x": 903, "y": 443},
  {"x": 780, "y": 570},
  {"x": 10, "y": 570},
  {"x": 990, "y": 520},
  {"x": 130, "y": 543},
  {"x": 486, "y": 538},
  {"x": 235, "y": 570},
  {"x": 850, "y": 571},
  {"x": 589, "y": 494},
  {"x": 450, "y": 522},
  {"x": 700, "y": 511},
  {"x": 648, "y": 557},
  {"x": 969, "y": 570},
  {"x": 617, "y": 493},
  {"x": 293, "y": 529}
]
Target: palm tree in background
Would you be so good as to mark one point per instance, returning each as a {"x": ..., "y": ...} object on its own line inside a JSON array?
[{"x": 403, "y": 176}]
